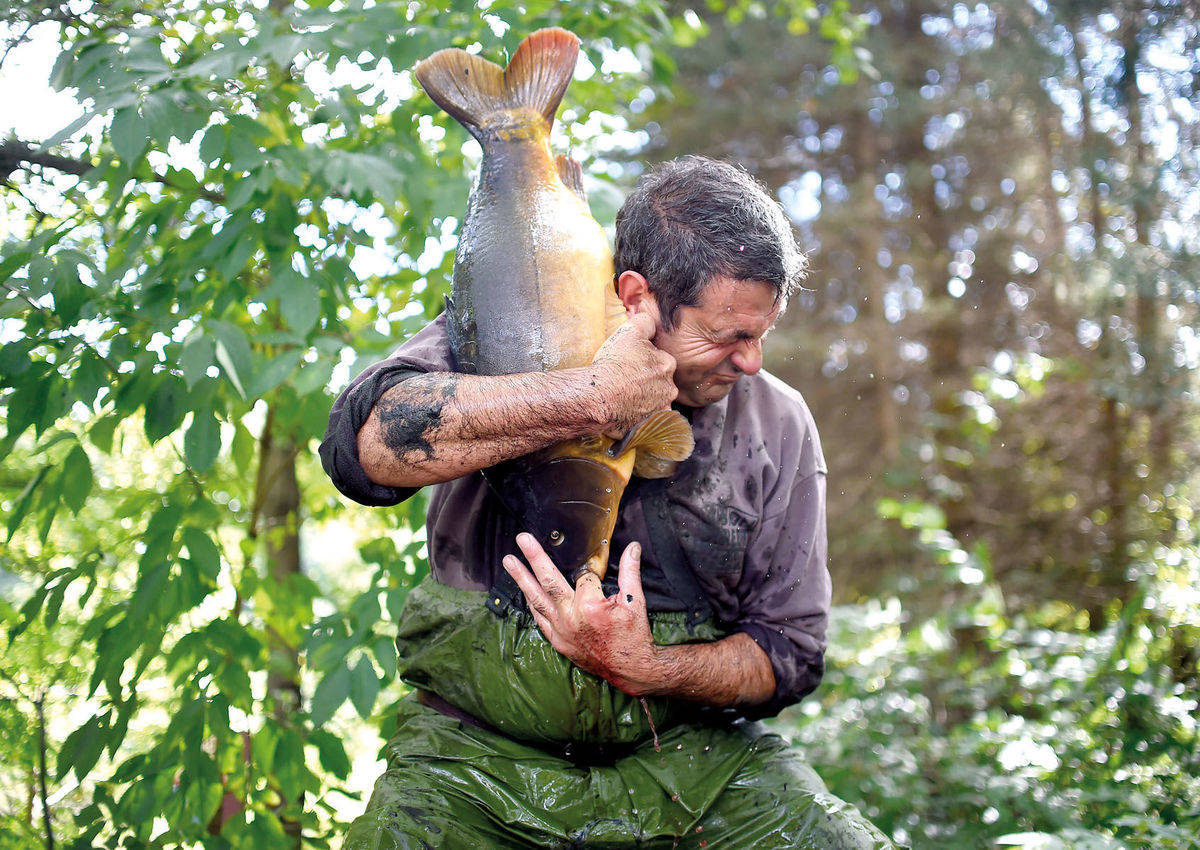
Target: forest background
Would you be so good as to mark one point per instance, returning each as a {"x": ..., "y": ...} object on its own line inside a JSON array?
[{"x": 998, "y": 339}]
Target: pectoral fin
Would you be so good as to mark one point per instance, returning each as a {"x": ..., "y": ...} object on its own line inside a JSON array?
[{"x": 661, "y": 441}]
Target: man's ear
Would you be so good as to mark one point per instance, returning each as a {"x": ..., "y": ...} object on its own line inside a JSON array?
[{"x": 634, "y": 292}]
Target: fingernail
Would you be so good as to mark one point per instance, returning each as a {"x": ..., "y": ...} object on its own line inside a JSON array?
[
  {"x": 524, "y": 537},
  {"x": 509, "y": 562},
  {"x": 635, "y": 549}
]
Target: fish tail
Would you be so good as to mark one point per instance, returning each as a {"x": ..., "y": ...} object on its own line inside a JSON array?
[
  {"x": 471, "y": 88},
  {"x": 539, "y": 72}
]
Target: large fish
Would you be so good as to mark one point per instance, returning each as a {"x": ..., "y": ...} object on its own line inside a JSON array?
[{"x": 533, "y": 291}]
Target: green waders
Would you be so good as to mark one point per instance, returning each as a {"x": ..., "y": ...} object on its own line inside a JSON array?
[{"x": 553, "y": 757}]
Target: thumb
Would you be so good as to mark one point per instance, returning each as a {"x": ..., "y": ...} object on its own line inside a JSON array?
[
  {"x": 642, "y": 324},
  {"x": 629, "y": 575}
]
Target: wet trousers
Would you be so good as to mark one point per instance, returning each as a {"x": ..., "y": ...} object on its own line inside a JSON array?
[
  {"x": 451, "y": 785},
  {"x": 576, "y": 764}
]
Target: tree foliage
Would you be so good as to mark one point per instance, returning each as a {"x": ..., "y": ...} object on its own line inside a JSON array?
[{"x": 255, "y": 196}]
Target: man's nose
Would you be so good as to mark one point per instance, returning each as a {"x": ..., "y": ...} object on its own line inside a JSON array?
[{"x": 747, "y": 359}]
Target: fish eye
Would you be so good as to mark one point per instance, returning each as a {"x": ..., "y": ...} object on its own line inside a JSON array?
[{"x": 556, "y": 537}]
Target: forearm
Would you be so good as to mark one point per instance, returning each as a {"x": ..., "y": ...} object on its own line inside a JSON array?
[
  {"x": 439, "y": 426},
  {"x": 729, "y": 672}
]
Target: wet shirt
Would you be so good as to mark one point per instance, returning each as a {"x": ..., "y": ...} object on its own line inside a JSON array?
[{"x": 747, "y": 509}]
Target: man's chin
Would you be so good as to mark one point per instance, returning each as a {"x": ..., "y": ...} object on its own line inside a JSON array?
[{"x": 709, "y": 392}]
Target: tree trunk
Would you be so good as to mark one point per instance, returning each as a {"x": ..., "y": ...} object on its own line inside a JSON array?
[
  {"x": 277, "y": 525},
  {"x": 1115, "y": 427},
  {"x": 867, "y": 239}
]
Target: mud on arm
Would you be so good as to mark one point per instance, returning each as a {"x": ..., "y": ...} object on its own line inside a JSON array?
[{"x": 437, "y": 426}]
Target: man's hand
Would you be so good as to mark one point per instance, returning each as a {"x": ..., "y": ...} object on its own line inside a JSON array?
[
  {"x": 636, "y": 378},
  {"x": 608, "y": 636}
]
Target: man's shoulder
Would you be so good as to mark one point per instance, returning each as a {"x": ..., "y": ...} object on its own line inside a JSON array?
[
  {"x": 768, "y": 396},
  {"x": 766, "y": 408}
]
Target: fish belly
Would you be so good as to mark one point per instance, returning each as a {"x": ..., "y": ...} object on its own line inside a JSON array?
[{"x": 530, "y": 273}]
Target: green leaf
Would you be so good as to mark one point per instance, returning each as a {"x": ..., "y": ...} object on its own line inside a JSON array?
[
  {"x": 160, "y": 534},
  {"x": 195, "y": 357},
  {"x": 385, "y": 653},
  {"x": 364, "y": 686},
  {"x": 203, "y": 553},
  {"x": 102, "y": 430},
  {"x": 330, "y": 694},
  {"x": 76, "y": 479},
  {"x": 202, "y": 443},
  {"x": 273, "y": 373},
  {"x": 13, "y": 262},
  {"x": 331, "y": 752},
  {"x": 212, "y": 146},
  {"x": 233, "y": 355},
  {"x": 243, "y": 447},
  {"x": 69, "y": 130},
  {"x": 163, "y": 117},
  {"x": 165, "y": 408},
  {"x": 25, "y": 501},
  {"x": 127, "y": 135},
  {"x": 82, "y": 748},
  {"x": 301, "y": 307}
]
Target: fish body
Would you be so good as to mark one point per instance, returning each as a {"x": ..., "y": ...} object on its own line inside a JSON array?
[{"x": 533, "y": 291}]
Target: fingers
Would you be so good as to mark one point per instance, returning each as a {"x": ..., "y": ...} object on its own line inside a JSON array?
[
  {"x": 588, "y": 589},
  {"x": 642, "y": 324},
  {"x": 548, "y": 576},
  {"x": 539, "y": 601},
  {"x": 629, "y": 575}
]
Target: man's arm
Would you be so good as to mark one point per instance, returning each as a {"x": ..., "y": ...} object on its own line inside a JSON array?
[
  {"x": 439, "y": 426},
  {"x": 610, "y": 636}
]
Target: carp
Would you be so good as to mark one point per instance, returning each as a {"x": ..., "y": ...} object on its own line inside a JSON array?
[{"x": 533, "y": 290}]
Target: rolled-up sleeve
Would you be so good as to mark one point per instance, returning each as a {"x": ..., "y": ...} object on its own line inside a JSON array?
[
  {"x": 785, "y": 593},
  {"x": 427, "y": 351}
]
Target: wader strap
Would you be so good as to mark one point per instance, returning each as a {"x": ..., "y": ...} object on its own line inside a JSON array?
[
  {"x": 671, "y": 559},
  {"x": 505, "y": 595}
]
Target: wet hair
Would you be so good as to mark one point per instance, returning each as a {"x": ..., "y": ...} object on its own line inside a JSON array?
[{"x": 693, "y": 219}]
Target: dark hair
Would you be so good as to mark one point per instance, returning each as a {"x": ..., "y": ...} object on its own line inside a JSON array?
[{"x": 692, "y": 219}]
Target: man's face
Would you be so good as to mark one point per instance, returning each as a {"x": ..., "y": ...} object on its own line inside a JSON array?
[{"x": 720, "y": 339}]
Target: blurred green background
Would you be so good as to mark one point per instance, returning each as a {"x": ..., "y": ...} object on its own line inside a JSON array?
[{"x": 215, "y": 213}]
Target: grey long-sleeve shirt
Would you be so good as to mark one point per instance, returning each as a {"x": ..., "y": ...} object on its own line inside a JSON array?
[{"x": 748, "y": 507}]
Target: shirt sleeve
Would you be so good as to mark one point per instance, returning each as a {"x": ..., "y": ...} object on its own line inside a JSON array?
[
  {"x": 785, "y": 592},
  {"x": 427, "y": 351}
]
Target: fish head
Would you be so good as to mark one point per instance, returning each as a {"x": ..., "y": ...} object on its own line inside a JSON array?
[{"x": 567, "y": 499}]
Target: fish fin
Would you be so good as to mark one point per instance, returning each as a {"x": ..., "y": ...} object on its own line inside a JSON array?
[
  {"x": 539, "y": 72},
  {"x": 468, "y": 87},
  {"x": 649, "y": 466},
  {"x": 571, "y": 174},
  {"x": 615, "y": 313},
  {"x": 661, "y": 440}
]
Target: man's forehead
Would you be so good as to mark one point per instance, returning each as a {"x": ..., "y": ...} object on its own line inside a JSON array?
[{"x": 729, "y": 303}]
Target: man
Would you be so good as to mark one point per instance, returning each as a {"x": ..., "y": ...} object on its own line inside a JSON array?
[{"x": 614, "y": 714}]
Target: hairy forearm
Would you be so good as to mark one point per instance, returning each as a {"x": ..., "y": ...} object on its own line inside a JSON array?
[
  {"x": 439, "y": 426},
  {"x": 729, "y": 672}
]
